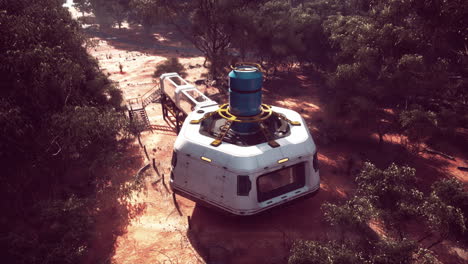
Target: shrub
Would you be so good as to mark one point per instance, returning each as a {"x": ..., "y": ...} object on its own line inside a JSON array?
[
  {"x": 170, "y": 65},
  {"x": 446, "y": 210},
  {"x": 352, "y": 215},
  {"x": 418, "y": 125},
  {"x": 314, "y": 252}
]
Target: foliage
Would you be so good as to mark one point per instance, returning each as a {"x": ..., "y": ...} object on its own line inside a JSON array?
[
  {"x": 170, "y": 65},
  {"x": 75, "y": 126},
  {"x": 146, "y": 12},
  {"x": 60, "y": 124},
  {"x": 373, "y": 54},
  {"x": 390, "y": 196},
  {"x": 354, "y": 214},
  {"x": 280, "y": 34},
  {"x": 109, "y": 12},
  {"x": 446, "y": 210},
  {"x": 401, "y": 252},
  {"x": 59, "y": 114},
  {"x": 394, "y": 54},
  {"x": 68, "y": 226},
  {"x": 392, "y": 191},
  {"x": 384, "y": 252},
  {"x": 313, "y": 252},
  {"x": 208, "y": 25},
  {"x": 418, "y": 125},
  {"x": 406, "y": 55},
  {"x": 331, "y": 132},
  {"x": 136, "y": 126},
  {"x": 84, "y": 6}
]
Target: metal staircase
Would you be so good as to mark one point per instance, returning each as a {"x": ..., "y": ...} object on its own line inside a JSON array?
[
  {"x": 140, "y": 115},
  {"x": 152, "y": 96},
  {"x": 136, "y": 106}
]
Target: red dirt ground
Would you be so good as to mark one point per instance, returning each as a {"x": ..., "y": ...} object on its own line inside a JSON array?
[{"x": 160, "y": 234}]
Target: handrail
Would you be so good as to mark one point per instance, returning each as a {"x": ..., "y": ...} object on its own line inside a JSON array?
[
  {"x": 252, "y": 64},
  {"x": 141, "y": 100},
  {"x": 134, "y": 100},
  {"x": 150, "y": 91}
]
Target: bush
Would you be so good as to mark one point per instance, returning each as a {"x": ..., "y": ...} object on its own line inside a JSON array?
[
  {"x": 170, "y": 65},
  {"x": 61, "y": 129},
  {"x": 446, "y": 210},
  {"x": 314, "y": 252},
  {"x": 418, "y": 125},
  {"x": 332, "y": 133},
  {"x": 353, "y": 215},
  {"x": 386, "y": 251}
]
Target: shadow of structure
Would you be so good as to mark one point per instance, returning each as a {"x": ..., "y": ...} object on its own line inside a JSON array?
[
  {"x": 165, "y": 130},
  {"x": 219, "y": 237}
]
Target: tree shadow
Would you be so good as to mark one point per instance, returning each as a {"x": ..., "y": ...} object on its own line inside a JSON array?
[
  {"x": 115, "y": 207},
  {"x": 301, "y": 91},
  {"x": 285, "y": 84},
  {"x": 164, "y": 40}
]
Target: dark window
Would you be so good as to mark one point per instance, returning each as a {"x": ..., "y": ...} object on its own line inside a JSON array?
[
  {"x": 315, "y": 162},
  {"x": 281, "y": 181},
  {"x": 243, "y": 185},
  {"x": 174, "y": 159}
]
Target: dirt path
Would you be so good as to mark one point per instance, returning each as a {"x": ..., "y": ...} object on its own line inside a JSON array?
[{"x": 161, "y": 234}]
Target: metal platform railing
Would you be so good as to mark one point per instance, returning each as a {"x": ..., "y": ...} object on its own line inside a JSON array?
[{"x": 151, "y": 96}]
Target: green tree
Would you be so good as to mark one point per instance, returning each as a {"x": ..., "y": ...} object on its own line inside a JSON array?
[
  {"x": 352, "y": 216},
  {"x": 391, "y": 191},
  {"x": 390, "y": 196},
  {"x": 83, "y": 6},
  {"x": 446, "y": 211},
  {"x": 383, "y": 252},
  {"x": 109, "y": 12},
  {"x": 279, "y": 34},
  {"x": 146, "y": 13},
  {"x": 314, "y": 252},
  {"x": 208, "y": 25},
  {"x": 61, "y": 125},
  {"x": 395, "y": 54},
  {"x": 418, "y": 125},
  {"x": 389, "y": 251}
]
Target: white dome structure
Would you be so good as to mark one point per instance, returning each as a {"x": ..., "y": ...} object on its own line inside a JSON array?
[{"x": 243, "y": 163}]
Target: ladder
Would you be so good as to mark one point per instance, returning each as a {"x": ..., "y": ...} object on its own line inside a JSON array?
[{"x": 136, "y": 107}]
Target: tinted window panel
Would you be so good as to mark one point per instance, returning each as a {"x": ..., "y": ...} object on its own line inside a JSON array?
[
  {"x": 315, "y": 162},
  {"x": 243, "y": 185},
  {"x": 280, "y": 182},
  {"x": 174, "y": 159}
]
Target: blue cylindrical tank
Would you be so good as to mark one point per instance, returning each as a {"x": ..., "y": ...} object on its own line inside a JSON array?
[
  {"x": 245, "y": 96},
  {"x": 245, "y": 91}
]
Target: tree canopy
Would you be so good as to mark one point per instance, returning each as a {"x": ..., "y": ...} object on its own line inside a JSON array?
[
  {"x": 390, "y": 197},
  {"x": 60, "y": 121},
  {"x": 409, "y": 56}
]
